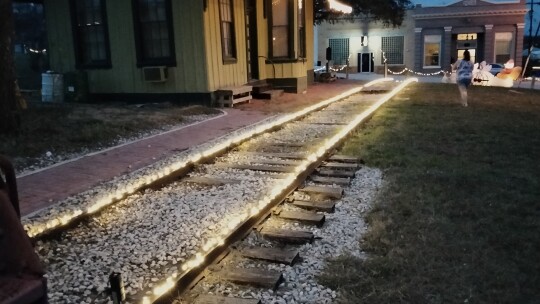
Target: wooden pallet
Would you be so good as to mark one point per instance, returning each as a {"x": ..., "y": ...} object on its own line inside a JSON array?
[{"x": 231, "y": 95}]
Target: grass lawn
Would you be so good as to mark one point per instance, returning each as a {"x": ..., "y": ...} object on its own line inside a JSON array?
[
  {"x": 64, "y": 129},
  {"x": 458, "y": 220}
]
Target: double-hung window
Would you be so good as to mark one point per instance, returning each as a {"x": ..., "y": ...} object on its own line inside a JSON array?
[
  {"x": 432, "y": 51},
  {"x": 228, "y": 41},
  {"x": 503, "y": 47},
  {"x": 301, "y": 29},
  {"x": 90, "y": 34},
  {"x": 154, "y": 36},
  {"x": 280, "y": 26}
]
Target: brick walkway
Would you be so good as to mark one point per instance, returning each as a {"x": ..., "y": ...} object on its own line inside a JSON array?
[{"x": 46, "y": 187}]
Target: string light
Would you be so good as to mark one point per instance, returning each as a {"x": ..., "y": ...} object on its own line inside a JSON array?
[
  {"x": 411, "y": 71},
  {"x": 417, "y": 73}
]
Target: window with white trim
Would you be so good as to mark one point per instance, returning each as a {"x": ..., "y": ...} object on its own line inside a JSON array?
[
  {"x": 503, "y": 47},
  {"x": 432, "y": 51},
  {"x": 281, "y": 25}
]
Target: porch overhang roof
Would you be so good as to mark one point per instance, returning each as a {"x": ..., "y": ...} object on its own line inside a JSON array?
[{"x": 490, "y": 13}]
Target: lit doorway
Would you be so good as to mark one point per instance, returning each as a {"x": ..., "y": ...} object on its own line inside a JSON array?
[
  {"x": 365, "y": 63},
  {"x": 467, "y": 41},
  {"x": 471, "y": 51}
]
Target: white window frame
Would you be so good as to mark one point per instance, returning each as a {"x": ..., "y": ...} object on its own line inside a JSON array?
[
  {"x": 432, "y": 39},
  {"x": 506, "y": 37}
]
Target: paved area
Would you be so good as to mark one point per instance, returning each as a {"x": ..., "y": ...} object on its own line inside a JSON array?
[{"x": 45, "y": 187}]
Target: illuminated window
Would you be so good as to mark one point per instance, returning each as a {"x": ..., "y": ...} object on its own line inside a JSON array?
[
  {"x": 228, "y": 42},
  {"x": 91, "y": 38},
  {"x": 281, "y": 26},
  {"x": 301, "y": 29},
  {"x": 153, "y": 32},
  {"x": 503, "y": 47},
  {"x": 393, "y": 49},
  {"x": 432, "y": 51},
  {"x": 470, "y": 36}
]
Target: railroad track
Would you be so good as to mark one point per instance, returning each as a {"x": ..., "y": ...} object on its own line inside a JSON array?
[{"x": 163, "y": 233}]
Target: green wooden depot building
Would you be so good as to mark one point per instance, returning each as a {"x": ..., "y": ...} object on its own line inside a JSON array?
[{"x": 180, "y": 50}]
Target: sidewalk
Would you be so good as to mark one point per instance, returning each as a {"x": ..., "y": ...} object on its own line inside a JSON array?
[{"x": 45, "y": 187}]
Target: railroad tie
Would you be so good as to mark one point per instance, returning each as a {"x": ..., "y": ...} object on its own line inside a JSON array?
[
  {"x": 278, "y": 155},
  {"x": 341, "y": 166},
  {"x": 274, "y": 255},
  {"x": 211, "y": 181},
  {"x": 331, "y": 192},
  {"x": 288, "y": 236},
  {"x": 335, "y": 173},
  {"x": 325, "y": 123},
  {"x": 342, "y": 181},
  {"x": 304, "y": 217},
  {"x": 276, "y": 162},
  {"x": 287, "y": 144},
  {"x": 329, "y": 207},
  {"x": 254, "y": 277},
  {"x": 210, "y": 299},
  {"x": 345, "y": 159},
  {"x": 262, "y": 168}
]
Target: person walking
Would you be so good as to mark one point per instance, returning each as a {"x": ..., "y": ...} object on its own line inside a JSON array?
[{"x": 464, "y": 76}]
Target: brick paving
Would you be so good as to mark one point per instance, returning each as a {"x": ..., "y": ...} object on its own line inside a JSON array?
[{"x": 46, "y": 187}]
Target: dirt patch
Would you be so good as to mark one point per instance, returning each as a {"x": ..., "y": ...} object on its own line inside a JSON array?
[{"x": 54, "y": 132}]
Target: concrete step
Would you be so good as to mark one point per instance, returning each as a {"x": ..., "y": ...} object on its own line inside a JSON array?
[
  {"x": 269, "y": 94},
  {"x": 261, "y": 87}
]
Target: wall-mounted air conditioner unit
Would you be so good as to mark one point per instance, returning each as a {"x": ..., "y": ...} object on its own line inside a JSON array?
[{"x": 155, "y": 74}]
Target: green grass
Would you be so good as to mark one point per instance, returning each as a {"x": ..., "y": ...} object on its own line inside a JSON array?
[
  {"x": 458, "y": 220},
  {"x": 71, "y": 128}
]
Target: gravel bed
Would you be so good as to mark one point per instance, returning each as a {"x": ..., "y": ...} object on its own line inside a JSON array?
[
  {"x": 174, "y": 222},
  {"x": 339, "y": 235}
]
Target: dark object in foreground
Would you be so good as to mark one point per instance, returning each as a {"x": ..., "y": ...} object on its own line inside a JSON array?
[{"x": 21, "y": 273}]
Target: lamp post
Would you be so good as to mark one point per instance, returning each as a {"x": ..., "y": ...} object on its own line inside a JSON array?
[{"x": 118, "y": 293}]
